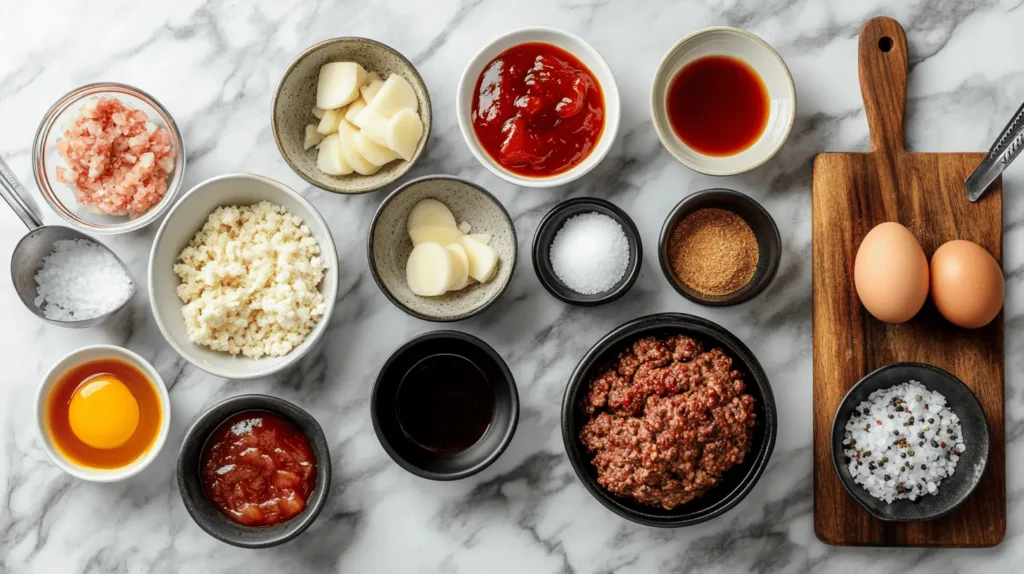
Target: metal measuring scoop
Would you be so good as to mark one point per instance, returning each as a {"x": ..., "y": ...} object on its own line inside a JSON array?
[{"x": 28, "y": 255}]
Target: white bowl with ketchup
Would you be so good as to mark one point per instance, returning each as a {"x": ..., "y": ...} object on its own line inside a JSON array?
[
  {"x": 538, "y": 107},
  {"x": 723, "y": 101}
]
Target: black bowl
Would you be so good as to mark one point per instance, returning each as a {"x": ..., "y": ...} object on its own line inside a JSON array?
[
  {"x": 545, "y": 235},
  {"x": 953, "y": 491},
  {"x": 431, "y": 464},
  {"x": 190, "y": 484},
  {"x": 736, "y": 483},
  {"x": 769, "y": 244}
]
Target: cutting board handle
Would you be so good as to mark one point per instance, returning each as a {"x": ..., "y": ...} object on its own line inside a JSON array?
[{"x": 882, "y": 63}]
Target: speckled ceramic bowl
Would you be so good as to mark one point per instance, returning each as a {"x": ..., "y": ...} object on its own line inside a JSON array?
[
  {"x": 296, "y": 96},
  {"x": 388, "y": 246}
]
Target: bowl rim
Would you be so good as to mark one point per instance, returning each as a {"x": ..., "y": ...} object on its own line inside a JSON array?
[
  {"x": 629, "y": 228},
  {"x": 329, "y": 253},
  {"x": 837, "y": 425},
  {"x": 371, "y": 260},
  {"x": 636, "y": 327},
  {"x": 108, "y": 474},
  {"x": 669, "y": 226},
  {"x": 39, "y": 142},
  {"x": 508, "y": 379},
  {"x": 655, "y": 101},
  {"x": 402, "y": 169},
  {"x": 611, "y": 122},
  {"x": 277, "y": 406}
]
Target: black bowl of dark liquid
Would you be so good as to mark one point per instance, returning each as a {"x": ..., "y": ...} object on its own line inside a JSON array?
[{"x": 444, "y": 405}]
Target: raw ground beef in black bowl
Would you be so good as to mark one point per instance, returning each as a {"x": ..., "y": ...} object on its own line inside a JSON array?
[{"x": 669, "y": 420}]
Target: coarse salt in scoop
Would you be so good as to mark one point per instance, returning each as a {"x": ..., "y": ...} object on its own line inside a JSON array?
[{"x": 80, "y": 280}]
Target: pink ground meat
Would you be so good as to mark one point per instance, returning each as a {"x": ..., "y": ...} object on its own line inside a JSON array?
[{"x": 117, "y": 164}]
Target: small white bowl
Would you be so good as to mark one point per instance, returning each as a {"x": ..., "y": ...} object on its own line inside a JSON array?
[
  {"x": 84, "y": 355},
  {"x": 186, "y": 218},
  {"x": 570, "y": 43},
  {"x": 726, "y": 41}
]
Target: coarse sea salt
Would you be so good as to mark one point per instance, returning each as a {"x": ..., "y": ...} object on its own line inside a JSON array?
[
  {"x": 590, "y": 253},
  {"x": 902, "y": 442},
  {"x": 80, "y": 280}
]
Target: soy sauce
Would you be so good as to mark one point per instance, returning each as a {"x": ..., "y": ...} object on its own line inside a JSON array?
[
  {"x": 445, "y": 403},
  {"x": 718, "y": 105}
]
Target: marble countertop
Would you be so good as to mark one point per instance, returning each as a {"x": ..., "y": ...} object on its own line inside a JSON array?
[{"x": 214, "y": 64}]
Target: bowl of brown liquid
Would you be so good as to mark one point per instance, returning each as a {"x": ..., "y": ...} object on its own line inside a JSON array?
[
  {"x": 723, "y": 101},
  {"x": 445, "y": 405}
]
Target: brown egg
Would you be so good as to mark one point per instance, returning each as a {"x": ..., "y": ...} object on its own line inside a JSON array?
[
  {"x": 967, "y": 284},
  {"x": 890, "y": 273}
]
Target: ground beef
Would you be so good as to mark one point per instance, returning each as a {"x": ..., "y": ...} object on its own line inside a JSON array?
[{"x": 665, "y": 420}]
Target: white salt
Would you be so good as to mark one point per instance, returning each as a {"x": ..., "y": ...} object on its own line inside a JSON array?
[
  {"x": 590, "y": 253},
  {"x": 80, "y": 280}
]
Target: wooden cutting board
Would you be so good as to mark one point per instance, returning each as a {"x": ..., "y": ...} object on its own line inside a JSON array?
[{"x": 852, "y": 193}]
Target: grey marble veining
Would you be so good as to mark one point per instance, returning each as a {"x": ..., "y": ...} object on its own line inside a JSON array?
[{"x": 215, "y": 63}]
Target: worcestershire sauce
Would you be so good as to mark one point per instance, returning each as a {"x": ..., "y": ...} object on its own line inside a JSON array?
[
  {"x": 445, "y": 403},
  {"x": 718, "y": 105}
]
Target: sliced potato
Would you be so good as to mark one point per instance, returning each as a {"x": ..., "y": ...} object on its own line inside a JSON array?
[
  {"x": 484, "y": 238},
  {"x": 378, "y": 155},
  {"x": 404, "y": 133},
  {"x": 339, "y": 84},
  {"x": 430, "y": 212},
  {"x": 429, "y": 270},
  {"x": 460, "y": 265},
  {"x": 318, "y": 113},
  {"x": 312, "y": 137},
  {"x": 371, "y": 87},
  {"x": 329, "y": 159},
  {"x": 395, "y": 95},
  {"x": 483, "y": 259},
  {"x": 353, "y": 109},
  {"x": 434, "y": 234},
  {"x": 351, "y": 152},
  {"x": 373, "y": 125},
  {"x": 329, "y": 123}
]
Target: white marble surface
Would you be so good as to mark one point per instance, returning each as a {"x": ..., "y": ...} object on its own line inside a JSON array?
[{"x": 215, "y": 63}]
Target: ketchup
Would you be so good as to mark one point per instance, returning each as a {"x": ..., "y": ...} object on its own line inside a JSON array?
[
  {"x": 537, "y": 110},
  {"x": 258, "y": 469}
]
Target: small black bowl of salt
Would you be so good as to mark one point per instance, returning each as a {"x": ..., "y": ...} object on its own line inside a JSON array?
[{"x": 587, "y": 251}]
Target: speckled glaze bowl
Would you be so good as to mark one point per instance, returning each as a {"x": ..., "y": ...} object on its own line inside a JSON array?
[
  {"x": 296, "y": 96},
  {"x": 388, "y": 246},
  {"x": 190, "y": 483}
]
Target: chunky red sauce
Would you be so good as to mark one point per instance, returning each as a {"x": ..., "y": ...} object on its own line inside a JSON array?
[
  {"x": 537, "y": 110},
  {"x": 258, "y": 469},
  {"x": 718, "y": 105}
]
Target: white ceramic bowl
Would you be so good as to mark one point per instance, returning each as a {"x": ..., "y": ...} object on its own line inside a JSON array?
[
  {"x": 84, "y": 355},
  {"x": 764, "y": 60},
  {"x": 186, "y": 218},
  {"x": 568, "y": 42}
]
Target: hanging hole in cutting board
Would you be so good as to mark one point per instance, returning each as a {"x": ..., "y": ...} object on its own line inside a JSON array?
[{"x": 885, "y": 44}]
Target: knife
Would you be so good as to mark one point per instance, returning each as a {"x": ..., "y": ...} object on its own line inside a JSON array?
[{"x": 999, "y": 157}]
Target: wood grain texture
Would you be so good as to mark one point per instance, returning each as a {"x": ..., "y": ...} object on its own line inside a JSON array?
[{"x": 853, "y": 192}]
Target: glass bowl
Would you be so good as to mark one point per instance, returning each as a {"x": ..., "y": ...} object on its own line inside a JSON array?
[{"x": 46, "y": 160}]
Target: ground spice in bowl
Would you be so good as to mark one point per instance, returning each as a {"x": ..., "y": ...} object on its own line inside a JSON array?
[{"x": 713, "y": 251}]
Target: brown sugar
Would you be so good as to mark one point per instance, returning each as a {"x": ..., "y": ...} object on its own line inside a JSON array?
[{"x": 713, "y": 251}]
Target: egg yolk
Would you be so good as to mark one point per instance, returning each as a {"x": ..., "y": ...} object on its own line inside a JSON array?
[{"x": 103, "y": 413}]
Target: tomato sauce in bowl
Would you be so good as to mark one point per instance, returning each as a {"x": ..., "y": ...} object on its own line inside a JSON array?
[
  {"x": 258, "y": 469},
  {"x": 538, "y": 111}
]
